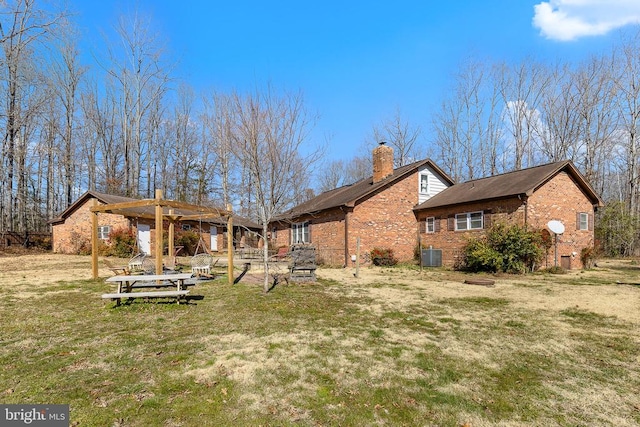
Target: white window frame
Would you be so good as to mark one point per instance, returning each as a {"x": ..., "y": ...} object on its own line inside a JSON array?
[
  {"x": 584, "y": 221},
  {"x": 425, "y": 176},
  {"x": 430, "y": 225},
  {"x": 300, "y": 232},
  {"x": 103, "y": 232},
  {"x": 465, "y": 221}
]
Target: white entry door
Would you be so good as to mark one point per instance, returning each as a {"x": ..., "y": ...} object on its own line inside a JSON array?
[
  {"x": 214, "y": 238},
  {"x": 144, "y": 238}
]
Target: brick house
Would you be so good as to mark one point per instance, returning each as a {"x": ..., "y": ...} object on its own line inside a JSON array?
[
  {"x": 71, "y": 230},
  {"x": 530, "y": 197},
  {"x": 377, "y": 210}
]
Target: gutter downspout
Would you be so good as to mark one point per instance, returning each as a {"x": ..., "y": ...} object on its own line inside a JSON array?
[
  {"x": 525, "y": 202},
  {"x": 346, "y": 238}
]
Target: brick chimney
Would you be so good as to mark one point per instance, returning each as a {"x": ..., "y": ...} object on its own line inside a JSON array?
[{"x": 382, "y": 162}]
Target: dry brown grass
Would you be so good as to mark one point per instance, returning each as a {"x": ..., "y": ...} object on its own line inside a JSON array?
[{"x": 391, "y": 347}]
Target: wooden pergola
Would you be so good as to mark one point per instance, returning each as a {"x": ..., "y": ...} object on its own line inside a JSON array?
[{"x": 160, "y": 204}]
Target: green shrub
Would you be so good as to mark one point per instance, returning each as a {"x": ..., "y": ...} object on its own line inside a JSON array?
[
  {"x": 480, "y": 256},
  {"x": 383, "y": 257},
  {"x": 506, "y": 248}
]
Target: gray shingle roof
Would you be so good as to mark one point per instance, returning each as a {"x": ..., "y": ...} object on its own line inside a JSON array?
[
  {"x": 349, "y": 195},
  {"x": 511, "y": 184}
]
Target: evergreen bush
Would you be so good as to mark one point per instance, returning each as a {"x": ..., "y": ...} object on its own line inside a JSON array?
[{"x": 506, "y": 248}]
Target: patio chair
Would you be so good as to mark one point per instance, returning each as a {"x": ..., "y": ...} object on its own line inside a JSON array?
[
  {"x": 281, "y": 255},
  {"x": 116, "y": 269},
  {"x": 201, "y": 264},
  {"x": 136, "y": 262}
]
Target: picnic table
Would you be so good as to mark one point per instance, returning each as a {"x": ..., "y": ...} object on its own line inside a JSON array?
[{"x": 127, "y": 283}]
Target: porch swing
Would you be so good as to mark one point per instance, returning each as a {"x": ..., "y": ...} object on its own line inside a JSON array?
[{"x": 201, "y": 262}]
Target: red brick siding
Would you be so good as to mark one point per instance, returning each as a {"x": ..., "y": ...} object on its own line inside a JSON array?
[
  {"x": 327, "y": 235},
  {"x": 452, "y": 242},
  {"x": 559, "y": 199},
  {"x": 75, "y": 232},
  {"x": 386, "y": 220}
]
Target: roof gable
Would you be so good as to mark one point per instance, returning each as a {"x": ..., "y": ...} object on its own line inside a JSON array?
[
  {"x": 351, "y": 194},
  {"x": 512, "y": 184}
]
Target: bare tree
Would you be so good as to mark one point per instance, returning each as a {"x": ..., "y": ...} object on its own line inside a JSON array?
[
  {"x": 333, "y": 175},
  {"x": 595, "y": 87},
  {"x": 218, "y": 120},
  {"x": 67, "y": 74},
  {"x": 185, "y": 148},
  {"x": 140, "y": 78},
  {"x": 627, "y": 83},
  {"x": 521, "y": 87},
  {"x": 460, "y": 124},
  {"x": 23, "y": 27},
  {"x": 402, "y": 136},
  {"x": 271, "y": 131},
  {"x": 556, "y": 122}
]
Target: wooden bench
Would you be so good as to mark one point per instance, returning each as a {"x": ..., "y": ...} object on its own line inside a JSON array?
[
  {"x": 127, "y": 283},
  {"x": 144, "y": 285},
  {"x": 155, "y": 294}
]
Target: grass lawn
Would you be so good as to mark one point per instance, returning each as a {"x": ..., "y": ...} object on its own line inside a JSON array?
[{"x": 393, "y": 347}]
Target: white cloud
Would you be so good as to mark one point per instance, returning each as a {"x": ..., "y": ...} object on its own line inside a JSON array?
[{"x": 570, "y": 19}]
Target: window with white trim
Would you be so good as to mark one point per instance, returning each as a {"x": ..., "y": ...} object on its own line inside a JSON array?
[
  {"x": 469, "y": 221},
  {"x": 431, "y": 225},
  {"x": 424, "y": 183},
  {"x": 583, "y": 221},
  {"x": 103, "y": 232},
  {"x": 300, "y": 232}
]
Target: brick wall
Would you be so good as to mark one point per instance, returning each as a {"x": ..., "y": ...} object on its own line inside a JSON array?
[
  {"x": 452, "y": 242},
  {"x": 386, "y": 220},
  {"x": 327, "y": 235},
  {"x": 75, "y": 232},
  {"x": 559, "y": 199}
]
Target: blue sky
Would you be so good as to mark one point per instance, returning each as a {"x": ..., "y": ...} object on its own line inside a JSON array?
[{"x": 357, "y": 62}]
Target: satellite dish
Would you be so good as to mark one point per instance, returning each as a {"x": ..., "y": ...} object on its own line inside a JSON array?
[{"x": 556, "y": 226}]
